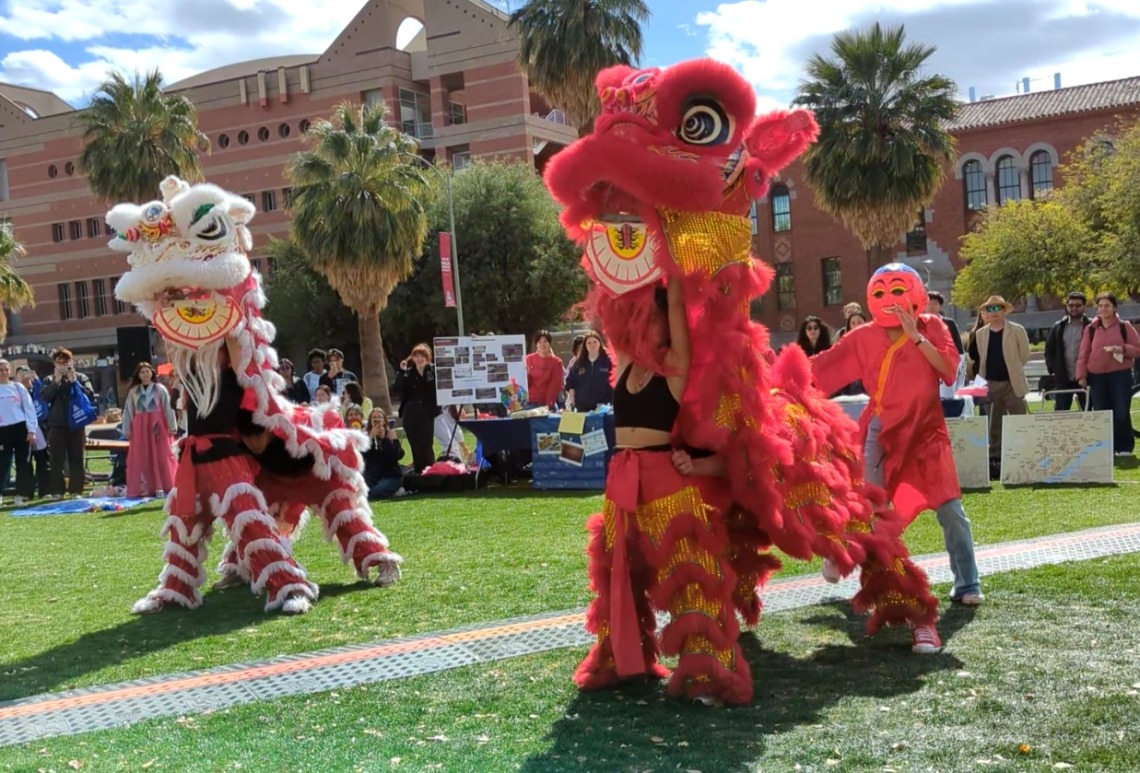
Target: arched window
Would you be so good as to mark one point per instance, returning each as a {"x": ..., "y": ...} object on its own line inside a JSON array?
[
  {"x": 781, "y": 208},
  {"x": 1008, "y": 181},
  {"x": 975, "y": 181},
  {"x": 1041, "y": 172}
]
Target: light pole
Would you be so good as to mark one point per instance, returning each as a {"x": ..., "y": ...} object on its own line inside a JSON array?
[{"x": 454, "y": 245}]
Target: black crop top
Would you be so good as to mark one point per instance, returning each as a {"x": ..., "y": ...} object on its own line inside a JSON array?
[{"x": 654, "y": 407}]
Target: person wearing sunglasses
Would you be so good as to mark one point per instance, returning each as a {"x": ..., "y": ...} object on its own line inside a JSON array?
[
  {"x": 814, "y": 337},
  {"x": 1062, "y": 347},
  {"x": 1001, "y": 349}
]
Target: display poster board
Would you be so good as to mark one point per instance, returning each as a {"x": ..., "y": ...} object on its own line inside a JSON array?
[
  {"x": 474, "y": 369},
  {"x": 1057, "y": 447},
  {"x": 970, "y": 444}
]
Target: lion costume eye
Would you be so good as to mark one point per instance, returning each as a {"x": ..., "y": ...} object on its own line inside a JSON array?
[
  {"x": 704, "y": 122},
  {"x": 211, "y": 228}
]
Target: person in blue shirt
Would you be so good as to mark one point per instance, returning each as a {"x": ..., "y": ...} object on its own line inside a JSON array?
[{"x": 588, "y": 381}]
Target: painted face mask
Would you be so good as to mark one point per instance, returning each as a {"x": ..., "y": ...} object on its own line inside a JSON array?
[{"x": 895, "y": 284}]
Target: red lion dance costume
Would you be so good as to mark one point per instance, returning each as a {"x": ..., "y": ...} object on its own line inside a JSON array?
[
  {"x": 251, "y": 458},
  {"x": 660, "y": 190}
]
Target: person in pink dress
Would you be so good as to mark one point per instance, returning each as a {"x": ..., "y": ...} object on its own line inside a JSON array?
[{"x": 149, "y": 425}]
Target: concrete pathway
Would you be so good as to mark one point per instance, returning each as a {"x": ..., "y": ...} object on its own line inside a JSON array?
[{"x": 108, "y": 706}]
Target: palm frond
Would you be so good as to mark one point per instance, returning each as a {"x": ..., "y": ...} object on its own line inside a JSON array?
[{"x": 883, "y": 148}]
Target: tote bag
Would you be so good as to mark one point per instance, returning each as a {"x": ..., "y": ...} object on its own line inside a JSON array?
[{"x": 80, "y": 410}]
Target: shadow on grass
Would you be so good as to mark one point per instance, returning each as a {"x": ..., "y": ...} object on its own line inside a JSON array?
[
  {"x": 223, "y": 612},
  {"x": 634, "y": 728}
]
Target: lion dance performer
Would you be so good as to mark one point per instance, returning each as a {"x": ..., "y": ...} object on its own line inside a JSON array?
[
  {"x": 251, "y": 458},
  {"x": 906, "y": 445},
  {"x": 756, "y": 457}
]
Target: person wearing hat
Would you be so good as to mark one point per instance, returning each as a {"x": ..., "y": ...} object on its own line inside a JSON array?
[{"x": 1001, "y": 348}]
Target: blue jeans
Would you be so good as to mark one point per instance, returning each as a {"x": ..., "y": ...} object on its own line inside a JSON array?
[
  {"x": 951, "y": 517},
  {"x": 384, "y": 488},
  {"x": 1113, "y": 392}
]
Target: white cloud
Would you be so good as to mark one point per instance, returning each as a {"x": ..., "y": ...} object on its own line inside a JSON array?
[
  {"x": 990, "y": 44},
  {"x": 180, "y": 37}
]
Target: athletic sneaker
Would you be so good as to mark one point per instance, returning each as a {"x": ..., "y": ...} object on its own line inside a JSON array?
[
  {"x": 970, "y": 599},
  {"x": 926, "y": 641},
  {"x": 18, "y": 501},
  {"x": 830, "y": 571}
]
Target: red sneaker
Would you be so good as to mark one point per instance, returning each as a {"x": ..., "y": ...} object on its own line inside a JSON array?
[{"x": 926, "y": 641}]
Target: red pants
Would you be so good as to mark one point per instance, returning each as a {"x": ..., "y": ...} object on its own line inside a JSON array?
[
  {"x": 225, "y": 489},
  {"x": 660, "y": 543}
]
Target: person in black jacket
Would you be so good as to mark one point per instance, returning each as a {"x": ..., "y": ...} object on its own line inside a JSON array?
[
  {"x": 588, "y": 382},
  {"x": 63, "y": 441},
  {"x": 1062, "y": 346},
  {"x": 382, "y": 470},
  {"x": 295, "y": 389},
  {"x": 415, "y": 381},
  {"x": 935, "y": 302}
]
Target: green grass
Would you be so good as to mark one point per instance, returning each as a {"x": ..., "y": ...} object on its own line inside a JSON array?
[
  {"x": 1042, "y": 676},
  {"x": 69, "y": 581}
]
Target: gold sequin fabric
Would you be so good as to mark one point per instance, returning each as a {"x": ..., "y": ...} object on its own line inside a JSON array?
[
  {"x": 707, "y": 241},
  {"x": 653, "y": 518},
  {"x": 814, "y": 493}
]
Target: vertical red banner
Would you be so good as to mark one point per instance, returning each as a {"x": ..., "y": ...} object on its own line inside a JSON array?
[{"x": 445, "y": 270}]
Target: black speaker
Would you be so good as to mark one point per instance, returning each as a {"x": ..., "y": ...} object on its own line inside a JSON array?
[{"x": 134, "y": 347}]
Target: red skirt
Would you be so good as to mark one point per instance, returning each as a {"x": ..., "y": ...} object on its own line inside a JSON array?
[{"x": 150, "y": 460}]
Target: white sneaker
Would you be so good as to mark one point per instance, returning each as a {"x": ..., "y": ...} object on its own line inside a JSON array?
[
  {"x": 400, "y": 492},
  {"x": 1123, "y": 453},
  {"x": 18, "y": 501},
  {"x": 830, "y": 571}
]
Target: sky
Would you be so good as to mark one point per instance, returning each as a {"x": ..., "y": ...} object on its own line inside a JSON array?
[{"x": 67, "y": 46}]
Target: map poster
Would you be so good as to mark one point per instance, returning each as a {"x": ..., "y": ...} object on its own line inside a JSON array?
[
  {"x": 1057, "y": 447},
  {"x": 970, "y": 444},
  {"x": 473, "y": 369}
]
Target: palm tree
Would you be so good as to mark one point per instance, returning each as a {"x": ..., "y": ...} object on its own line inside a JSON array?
[
  {"x": 883, "y": 146},
  {"x": 564, "y": 43},
  {"x": 134, "y": 136},
  {"x": 359, "y": 217},
  {"x": 14, "y": 291}
]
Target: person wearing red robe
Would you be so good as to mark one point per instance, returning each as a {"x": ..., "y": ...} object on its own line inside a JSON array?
[{"x": 906, "y": 445}]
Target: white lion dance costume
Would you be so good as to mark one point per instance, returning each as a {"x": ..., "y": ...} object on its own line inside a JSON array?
[{"x": 251, "y": 457}]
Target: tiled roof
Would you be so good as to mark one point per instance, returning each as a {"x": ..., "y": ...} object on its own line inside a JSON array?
[{"x": 1045, "y": 104}]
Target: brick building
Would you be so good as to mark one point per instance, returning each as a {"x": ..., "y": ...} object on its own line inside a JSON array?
[
  {"x": 1008, "y": 148},
  {"x": 455, "y": 86}
]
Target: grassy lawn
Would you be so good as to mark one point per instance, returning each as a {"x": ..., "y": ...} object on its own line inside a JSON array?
[
  {"x": 1041, "y": 678},
  {"x": 69, "y": 581}
]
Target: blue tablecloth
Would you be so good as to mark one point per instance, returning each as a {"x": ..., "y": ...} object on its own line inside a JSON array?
[
  {"x": 500, "y": 434},
  {"x": 550, "y": 471}
]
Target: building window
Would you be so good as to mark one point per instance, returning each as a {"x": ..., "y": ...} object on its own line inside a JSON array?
[
  {"x": 832, "y": 281},
  {"x": 119, "y": 306},
  {"x": 53, "y": 171},
  {"x": 286, "y": 197},
  {"x": 69, "y": 169},
  {"x": 781, "y": 208},
  {"x": 223, "y": 141},
  {"x": 243, "y": 137},
  {"x": 94, "y": 227},
  {"x": 263, "y": 134},
  {"x": 3, "y": 180},
  {"x": 1008, "y": 180},
  {"x": 1041, "y": 172},
  {"x": 99, "y": 290},
  {"x": 460, "y": 160},
  {"x": 64, "y": 300},
  {"x": 304, "y": 125},
  {"x": 415, "y": 114},
  {"x": 57, "y": 232},
  {"x": 284, "y": 130},
  {"x": 785, "y": 287},
  {"x": 81, "y": 302},
  {"x": 975, "y": 181},
  {"x": 76, "y": 229},
  {"x": 916, "y": 237},
  {"x": 252, "y": 199},
  {"x": 755, "y": 308},
  {"x": 754, "y": 214},
  {"x": 458, "y": 113},
  {"x": 372, "y": 97},
  {"x": 268, "y": 201}
]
